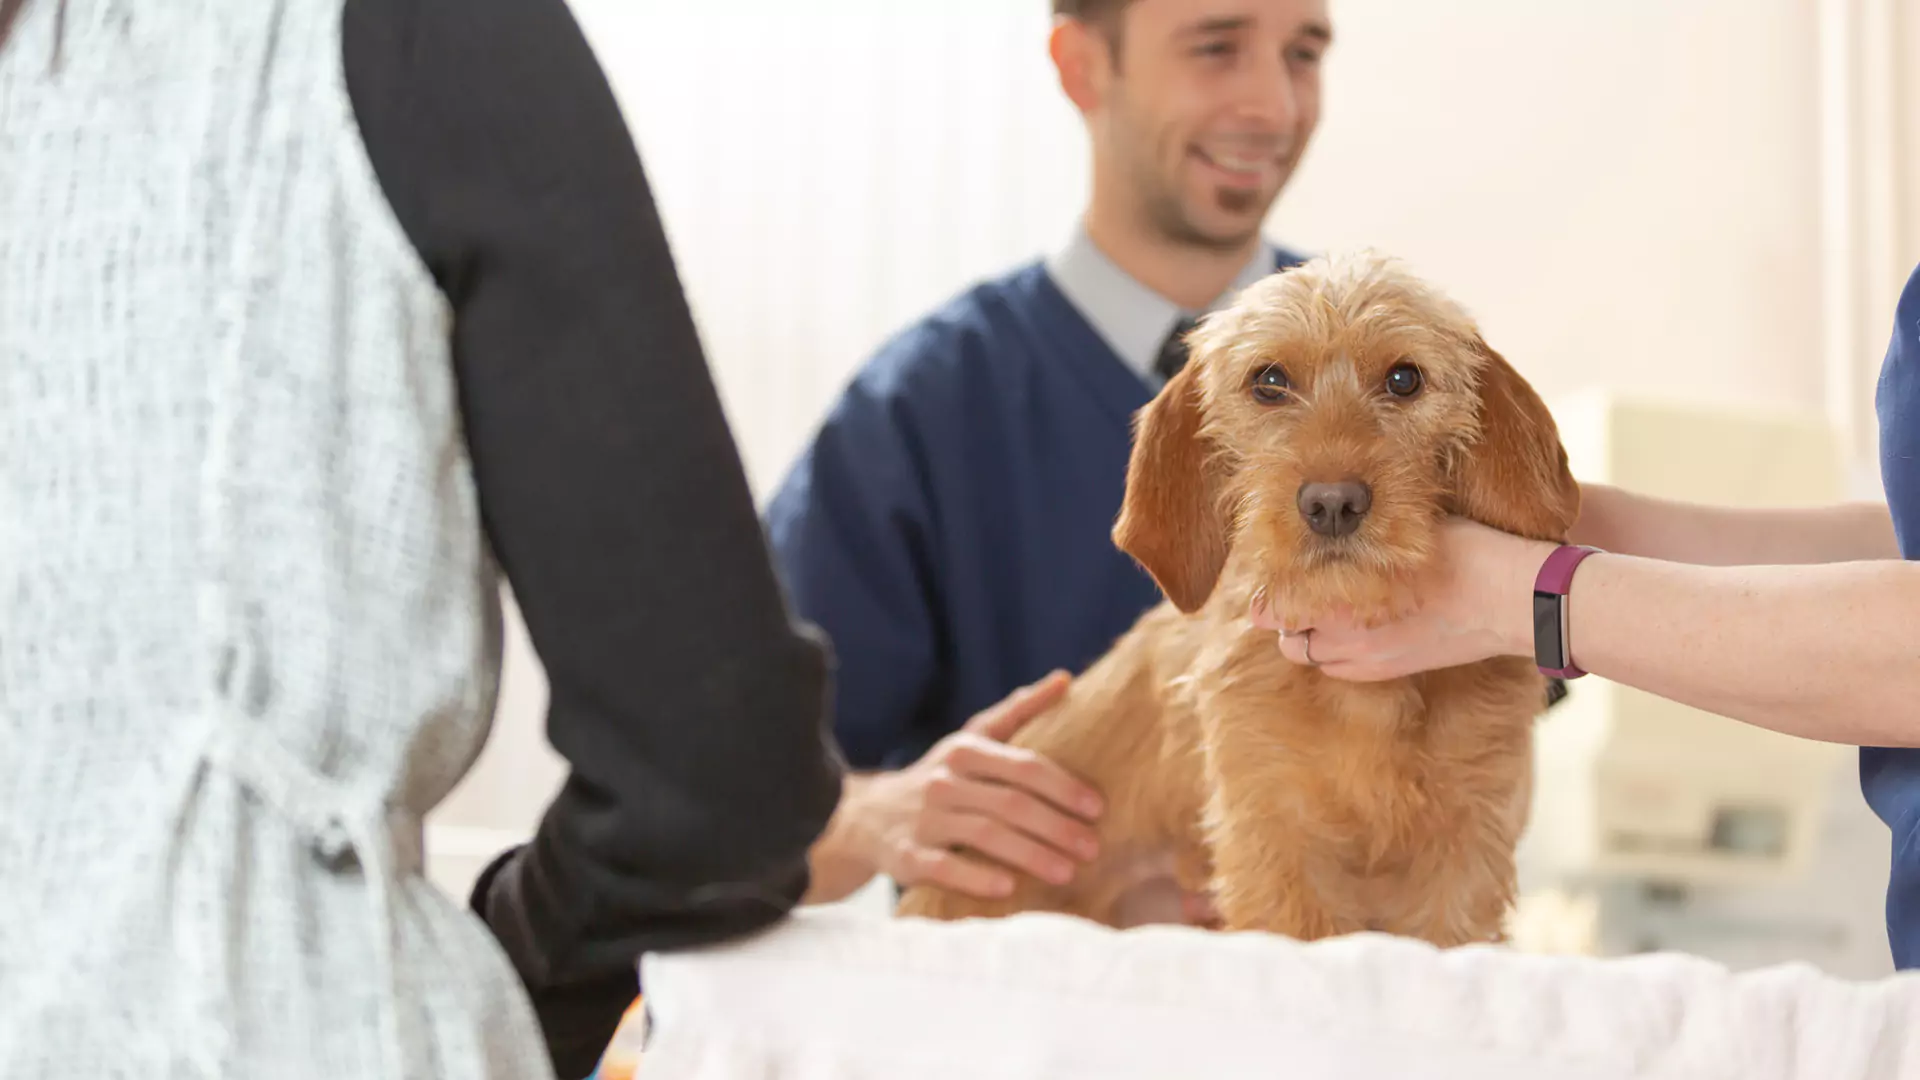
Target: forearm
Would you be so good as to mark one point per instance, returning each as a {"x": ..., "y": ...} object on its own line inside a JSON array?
[
  {"x": 1822, "y": 652},
  {"x": 685, "y": 699},
  {"x": 1632, "y": 524}
]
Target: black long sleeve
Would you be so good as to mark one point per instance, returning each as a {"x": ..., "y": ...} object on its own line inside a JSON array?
[{"x": 690, "y": 707}]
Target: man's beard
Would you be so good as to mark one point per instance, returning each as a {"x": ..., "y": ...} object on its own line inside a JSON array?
[{"x": 1168, "y": 214}]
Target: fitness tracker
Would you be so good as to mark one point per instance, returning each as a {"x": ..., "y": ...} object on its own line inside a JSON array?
[{"x": 1552, "y": 645}]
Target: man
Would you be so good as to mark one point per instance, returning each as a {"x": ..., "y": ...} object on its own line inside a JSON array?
[{"x": 949, "y": 525}]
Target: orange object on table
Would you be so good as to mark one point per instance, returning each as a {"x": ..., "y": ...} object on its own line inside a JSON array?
[{"x": 622, "y": 1059}]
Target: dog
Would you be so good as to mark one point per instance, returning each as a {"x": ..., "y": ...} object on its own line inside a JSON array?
[{"x": 1325, "y": 426}]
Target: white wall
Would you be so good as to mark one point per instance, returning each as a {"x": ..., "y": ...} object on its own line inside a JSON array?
[
  {"x": 1638, "y": 193},
  {"x": 1905, "y": 101},
  {"x": 1628, "y": 192},
  {"x": 830, "y": 170}
]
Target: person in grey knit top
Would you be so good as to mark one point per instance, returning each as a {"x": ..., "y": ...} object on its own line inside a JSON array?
[{"x": 318, "y": 319}]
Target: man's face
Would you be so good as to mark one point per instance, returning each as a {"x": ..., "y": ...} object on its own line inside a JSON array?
[{"x": 1205, "y": 108}]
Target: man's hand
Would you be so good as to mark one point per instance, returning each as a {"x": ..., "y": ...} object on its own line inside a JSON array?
[{"x": 973, "y": 809}]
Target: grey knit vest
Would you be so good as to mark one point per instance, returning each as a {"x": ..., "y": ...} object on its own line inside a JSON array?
[{"x": 248, "y": 625}]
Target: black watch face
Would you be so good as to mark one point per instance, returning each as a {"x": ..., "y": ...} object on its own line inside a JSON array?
[{"x": 1547, "y": 640}]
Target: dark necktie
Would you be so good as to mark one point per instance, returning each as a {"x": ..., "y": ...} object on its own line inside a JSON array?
[{"x": 1173, "y": 351}]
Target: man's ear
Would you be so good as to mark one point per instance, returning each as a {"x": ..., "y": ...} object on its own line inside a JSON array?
[
  {"x": 1171, "y": 520},
  {"x": 1080, "y": 58},
  {"x": 1514, "y": 475}
]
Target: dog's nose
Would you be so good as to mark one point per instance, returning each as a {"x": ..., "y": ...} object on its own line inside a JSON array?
[{"x": 1335, "y": 509}]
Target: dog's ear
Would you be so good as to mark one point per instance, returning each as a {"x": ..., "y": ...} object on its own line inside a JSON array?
[
  {"x": 1171, "y": 520},
  {"x": 1515, "y": 476}
]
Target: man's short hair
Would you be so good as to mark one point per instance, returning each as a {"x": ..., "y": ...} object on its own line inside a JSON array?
[
  {"x": 1089, "y": 10},
  {"x": 1103, "y": 14}
]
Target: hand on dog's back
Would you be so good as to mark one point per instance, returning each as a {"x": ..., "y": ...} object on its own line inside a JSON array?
[{"x": 1006, "y": 807}]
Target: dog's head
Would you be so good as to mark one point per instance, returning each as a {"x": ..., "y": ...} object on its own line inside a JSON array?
[{"x": 1324, "y": 427}]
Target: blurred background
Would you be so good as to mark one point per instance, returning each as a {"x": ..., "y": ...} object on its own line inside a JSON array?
[{"x": 1686, "y": 221}]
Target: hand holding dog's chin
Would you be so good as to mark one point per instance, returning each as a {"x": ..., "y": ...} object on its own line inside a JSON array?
[{"x": 1472, "y": 605}]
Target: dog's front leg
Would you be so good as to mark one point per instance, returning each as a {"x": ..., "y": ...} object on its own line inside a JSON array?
[
  {"x": 1260, "y": 872},
  {"x": 1255, "y": 889}
]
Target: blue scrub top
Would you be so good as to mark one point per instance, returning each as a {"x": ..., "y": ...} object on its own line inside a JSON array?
[
  {"x": 950, "y": 524},
  {"x": 1890, "y": 778}
]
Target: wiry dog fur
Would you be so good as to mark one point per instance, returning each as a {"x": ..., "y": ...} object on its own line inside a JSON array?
[{"x": 1308, "y": 806}]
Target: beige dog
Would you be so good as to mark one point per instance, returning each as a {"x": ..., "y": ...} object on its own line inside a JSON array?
[{"x": 1326, "y": 425}]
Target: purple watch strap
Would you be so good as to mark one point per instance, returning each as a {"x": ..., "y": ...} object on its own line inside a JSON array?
[
  {"x": 1555, "y": 580},
  {"x": 1556, "y": 574}
]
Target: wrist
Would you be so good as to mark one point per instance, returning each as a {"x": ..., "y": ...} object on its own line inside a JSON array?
[
  {"x": 1514, "y": 623},
  {"x": 1597, "y": 511},
  {"x": 841, "y": 860},
  {"x": 1552, "y": 613}
]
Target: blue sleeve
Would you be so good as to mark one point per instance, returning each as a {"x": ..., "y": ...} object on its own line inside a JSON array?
[
  {"x": 853, "y": 534},
  {"x": 1890, "y": 776},
  {"x": 1897, "y": 401}
]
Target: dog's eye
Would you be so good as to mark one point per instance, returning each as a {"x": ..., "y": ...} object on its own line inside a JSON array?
[
  {"x": 1404, "y": 380},
  {"x": 1270, "y": 385}
]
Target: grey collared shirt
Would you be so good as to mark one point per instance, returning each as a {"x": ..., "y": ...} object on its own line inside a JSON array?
[{"x": 1133, "y": 319}]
